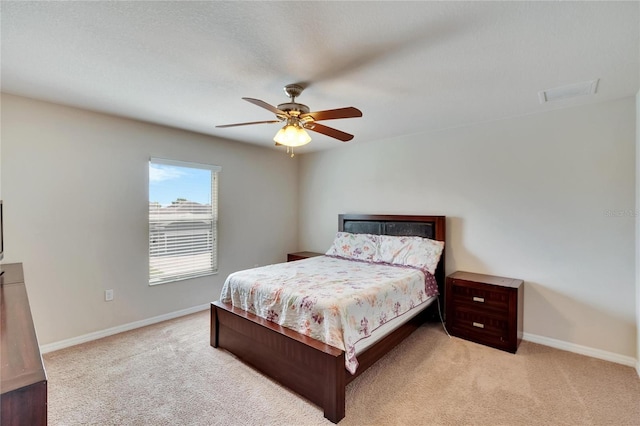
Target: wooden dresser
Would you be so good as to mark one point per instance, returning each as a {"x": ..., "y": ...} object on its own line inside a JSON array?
[
  {"x": 485, "y": 309},
  {"x": 23, "y": 381}
]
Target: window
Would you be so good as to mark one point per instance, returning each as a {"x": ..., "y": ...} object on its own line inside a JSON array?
[{"x": 183, "y": 220}]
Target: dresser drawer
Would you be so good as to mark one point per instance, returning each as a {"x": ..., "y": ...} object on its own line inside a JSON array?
[{"x": 485, "y": 296}]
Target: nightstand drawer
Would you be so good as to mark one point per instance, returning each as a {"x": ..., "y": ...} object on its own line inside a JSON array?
[
  {"x": 480, "y": 295},
  {"x": 480, "y": 323}
]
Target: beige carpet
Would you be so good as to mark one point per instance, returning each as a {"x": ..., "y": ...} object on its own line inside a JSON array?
[{"x": 167, "y": 374}]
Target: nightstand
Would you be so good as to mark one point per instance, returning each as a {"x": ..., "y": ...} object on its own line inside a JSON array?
[
  {"x": 302, "y": 255},
  {"x": 485, "y": 309}
]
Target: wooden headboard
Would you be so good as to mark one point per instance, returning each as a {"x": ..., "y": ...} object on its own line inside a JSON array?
[{"x": 433, "y": 227}]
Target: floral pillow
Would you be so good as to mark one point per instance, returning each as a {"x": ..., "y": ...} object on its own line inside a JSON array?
[
  {"x": 354, "y": 246},
  {"x": 418, "y": 252}
]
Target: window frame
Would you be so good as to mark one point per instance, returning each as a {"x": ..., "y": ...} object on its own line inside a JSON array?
[{"x": 215, "y": 171}]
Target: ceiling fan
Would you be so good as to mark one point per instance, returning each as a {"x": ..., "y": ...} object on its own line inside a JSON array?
[{"x": 298, "y": 118}]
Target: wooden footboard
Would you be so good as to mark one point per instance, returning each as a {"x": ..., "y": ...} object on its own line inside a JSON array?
[{"x": 306, "y": 366}]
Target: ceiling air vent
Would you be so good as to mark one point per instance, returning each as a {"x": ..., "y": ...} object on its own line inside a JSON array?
[{"x": 570, "y": 91}]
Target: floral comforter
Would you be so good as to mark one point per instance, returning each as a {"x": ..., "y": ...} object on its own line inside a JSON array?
[{"x": 336, "y": 301}]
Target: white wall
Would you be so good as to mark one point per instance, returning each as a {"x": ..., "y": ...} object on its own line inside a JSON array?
[
  {"x": 637, "y": 215},
  {"x": 75, "y": 190},
  {"x": 526, "y": 197}
]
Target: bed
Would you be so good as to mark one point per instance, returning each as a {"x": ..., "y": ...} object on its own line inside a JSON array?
[{"x": 313, "y": 369}]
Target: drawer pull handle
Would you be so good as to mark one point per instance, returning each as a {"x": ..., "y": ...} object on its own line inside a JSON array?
[
  {"x": 477, "y": 324},
  {"x": 478, "y": 299}
]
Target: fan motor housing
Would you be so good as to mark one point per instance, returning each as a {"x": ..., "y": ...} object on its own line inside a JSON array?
[{"x": 292, "y": 107}]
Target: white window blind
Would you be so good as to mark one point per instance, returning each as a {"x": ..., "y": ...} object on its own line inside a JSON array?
[{"x": 183, "y": 220}]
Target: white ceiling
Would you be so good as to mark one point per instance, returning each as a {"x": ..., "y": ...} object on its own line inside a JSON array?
[{"x": 410, "y": 67}]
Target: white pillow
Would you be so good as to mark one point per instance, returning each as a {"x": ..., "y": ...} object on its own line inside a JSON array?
[
  {"x": 418, "y": 252},
  {"x": 354, "y": 246},
  {"x": 422, "y": 253}
]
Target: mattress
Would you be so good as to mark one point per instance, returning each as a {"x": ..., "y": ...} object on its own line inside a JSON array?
[{"x": 391, "y": 326}]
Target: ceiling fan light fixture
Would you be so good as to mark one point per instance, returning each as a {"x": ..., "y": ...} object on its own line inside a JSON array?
[
  {"x": 292, "y": 135},
  {"x": 299, "y": 119}
]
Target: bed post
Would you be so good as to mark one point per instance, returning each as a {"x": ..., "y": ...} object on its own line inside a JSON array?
[
  {"x": 214, "y": 327},
  {"x": 334, "y": 389}
]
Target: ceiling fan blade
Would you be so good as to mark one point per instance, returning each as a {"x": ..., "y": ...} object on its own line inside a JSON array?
[
  {"x": 265, "y": 105},
  {"x": 330, "y": 131},
  {"x": 249, "y": 123},
  {"x": 332, "y": 114}
]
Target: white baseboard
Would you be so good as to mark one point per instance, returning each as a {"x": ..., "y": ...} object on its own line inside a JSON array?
[
  {"x": 50, "y": 347},
  {"x": 583, "y": 350},
  {"x": 638, "y": 367}
]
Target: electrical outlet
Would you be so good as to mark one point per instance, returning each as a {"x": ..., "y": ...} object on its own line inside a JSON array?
[{"x": 108, "y": 295}]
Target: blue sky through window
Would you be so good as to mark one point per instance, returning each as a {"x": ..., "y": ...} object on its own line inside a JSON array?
[{"x": 168, "y": 183}]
